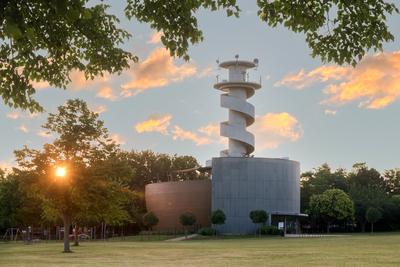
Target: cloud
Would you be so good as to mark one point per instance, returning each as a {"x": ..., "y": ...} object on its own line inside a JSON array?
[
  {"x": 118, "y": 139},
  {"x": 19, "y": 115},
  {"x": 79, "y": 81},
  {"x": 6, "y": 165},
  {"x": 155, "y": 38},
  {"x": 212, "y": 130},
  {"x": 374, "y": 83},
  {"x": 180, "y": 134},
  {"x": 13, "y": 115},
  {"x": 330, "y": 112},
  {"x": 207, "y": 71},
  {"x": 99, "y": 109},
  {"x": 106, "y": 92},
  {"x": 44, "y": 134},
  {"x": 155, "y": 123},
  {"x": 158, "y": 70},
  {"x": 40, "y": 84},
  {"x": 273, "y": 129},
  {"x": 303, "y": 79},
  {"x": 270, "y": 130},
  {"x": 23, "y": 128}
]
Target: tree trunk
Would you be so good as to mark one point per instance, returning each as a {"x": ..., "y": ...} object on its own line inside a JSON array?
[
  {"x": 372, "y": 227},
  {"x": 67, "y": 224},
  {"x": 327, "y": 227},
  {"x": 363, "y": 227},
  {"x": 76, "y": 236}
]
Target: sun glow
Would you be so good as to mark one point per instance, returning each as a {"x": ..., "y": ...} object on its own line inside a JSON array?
[{"x": 61, "y": 172}]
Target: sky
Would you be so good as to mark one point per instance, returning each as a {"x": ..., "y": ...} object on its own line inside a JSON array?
[{"x": 306, "y": 110}]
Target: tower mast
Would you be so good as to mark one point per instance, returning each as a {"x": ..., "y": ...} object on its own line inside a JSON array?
[{"x": 237, "y": 89}]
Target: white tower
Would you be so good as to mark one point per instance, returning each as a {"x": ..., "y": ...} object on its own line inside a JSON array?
[{"x": 237, "y": 90}]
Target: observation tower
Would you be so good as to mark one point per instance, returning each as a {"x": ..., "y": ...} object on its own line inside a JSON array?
[{"x": 237, "y": 89}]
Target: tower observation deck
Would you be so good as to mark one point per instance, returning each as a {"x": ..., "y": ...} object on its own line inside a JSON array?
[{"x": 237, "y": 89}]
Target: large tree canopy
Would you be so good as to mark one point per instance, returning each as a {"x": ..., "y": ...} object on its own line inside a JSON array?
[
  {"x": 87, "y": 193},
  {"x": 44, "y": 40}
]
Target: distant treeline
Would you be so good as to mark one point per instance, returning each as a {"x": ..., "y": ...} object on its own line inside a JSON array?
[{"x": 371, "y": 192}]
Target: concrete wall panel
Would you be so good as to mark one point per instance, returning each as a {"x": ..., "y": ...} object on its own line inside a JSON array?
[{"x": 240, "y": 185}]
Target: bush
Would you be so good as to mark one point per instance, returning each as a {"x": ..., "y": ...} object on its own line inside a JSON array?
[
  {"x": 206, "y": 231},
  {"x": 150, "y": 220},
  {"x": 187, "y": 219},
  {"x": 258, "y": 216},
  {"x": 218, "y": 217},
  {"x": 269, "y": 230}
]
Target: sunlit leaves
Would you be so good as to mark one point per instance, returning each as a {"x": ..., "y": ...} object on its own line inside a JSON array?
[
  {"x": 176, "y": 19},
  {"x": 339, "y": 31},
  {"x": 45, "y": 40}
]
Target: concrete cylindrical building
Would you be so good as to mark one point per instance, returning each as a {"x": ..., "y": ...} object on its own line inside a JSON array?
[
  {"x": 240, "y": 185},
  {"x": 168, "y": 200}
]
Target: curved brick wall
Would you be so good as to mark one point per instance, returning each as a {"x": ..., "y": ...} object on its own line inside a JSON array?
[{"x": 169, "y": 200}]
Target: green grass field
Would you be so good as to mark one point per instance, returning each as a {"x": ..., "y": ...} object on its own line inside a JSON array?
[{"x": 354, "y": 250}]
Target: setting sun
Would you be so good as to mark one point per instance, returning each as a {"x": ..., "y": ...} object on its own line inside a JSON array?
[{"x": 61, "y": 171}]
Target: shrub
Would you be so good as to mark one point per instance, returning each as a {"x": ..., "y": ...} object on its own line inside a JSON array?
[
  {"x": 150, "y": 220},
  {"x": 258, "y": 216},
  {"x": 187, "y": 219},
  {"x": 269, "y": 230},
  {"x": 218, "y": 217},
  {"x": 206, "y": 231}
]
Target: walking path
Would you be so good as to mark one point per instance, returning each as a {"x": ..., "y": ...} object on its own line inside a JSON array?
[
  {"x": 182, "y": 238},
  {"x": 311, "y": 235}
]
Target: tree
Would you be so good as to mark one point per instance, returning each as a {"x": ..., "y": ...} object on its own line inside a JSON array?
[
  {"x": 372, "y": 216},
  {"x": 333, "y": 204},
  {"x": 362, "y": 175},
  {"x": 43, "y": 41},
  {"x": 218, "y": 217},
  {"x": 10, "y": 202},
  {"x": 367, "y": 188},
  {"x": 16, "y": 208},
  {"x": 336, "y": 30},
  {"x": 82, "y": 148},
  {"x": 392, "y": 179},
  {"x": 150, "y": 220},
  {"x": 258, "y": 216},
  {"x": 187, "y": 219},
  {"x": 318, "y": 181}
]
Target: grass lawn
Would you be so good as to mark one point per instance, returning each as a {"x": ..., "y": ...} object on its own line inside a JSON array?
[{"x": 354, "y": 250}]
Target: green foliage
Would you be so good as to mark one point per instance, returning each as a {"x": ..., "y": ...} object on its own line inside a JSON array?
[
  {"x": 207, "y": 231},
  {"x": 318, "y": 181},
  {"x": 187, "y": 219},
  {"x": 362, "y": 175},
  {"x": 367, "y": 188},
  {"x": 341, "y": 31},
  {"x": 16, "y": 208},
  {"x": 10, "y": 202},
  {"x": 218, "y": 217},
  {"x": 151, "y": 167},
  {"x": 333, "y": 204},
  {"x": 258, "y": 216},
  {"x": 269, "y": 230},
  {"x": 176, "y": 19},
  {"x": 392, "y": 179},
  {"x": 43, "y": 41},
  {"x": 150, "y": 220},
  {"x": 373, "y": 215},
  {"x": 88, "y": 193}
]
